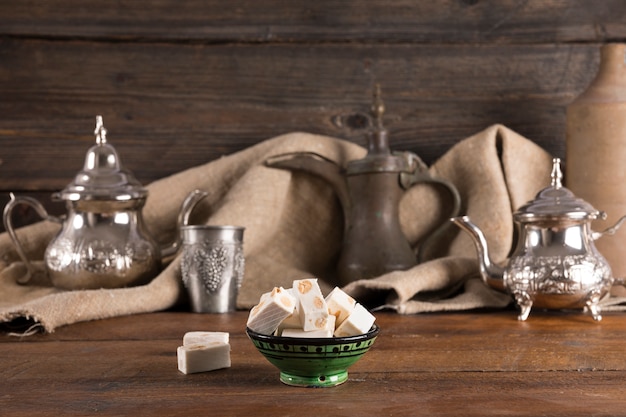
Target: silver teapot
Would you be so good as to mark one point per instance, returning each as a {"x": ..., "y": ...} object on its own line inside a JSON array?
[
  {"x": 555, "y": 264},
  {"x": 103, "y": 242}
]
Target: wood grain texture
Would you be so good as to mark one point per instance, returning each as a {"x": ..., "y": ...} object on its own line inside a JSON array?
[
  {"x": 185, "y": 83},
  {"x": 189, "y": 83},
  {"x": 442, "y": 21},
  {"x": 187, "y": 105},
  {"x": 558, "y": 364}
]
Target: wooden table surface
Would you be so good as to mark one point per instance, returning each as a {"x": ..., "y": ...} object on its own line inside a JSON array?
[{"x": 455, "y": 364}]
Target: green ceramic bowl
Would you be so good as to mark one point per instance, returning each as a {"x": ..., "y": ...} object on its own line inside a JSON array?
[{"x": 313, "y": 362}]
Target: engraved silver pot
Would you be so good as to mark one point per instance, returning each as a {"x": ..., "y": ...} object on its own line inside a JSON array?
[
  {"x": 103, "y": 242},
  {"x": 555, "y": 264},
  {"x": 212, "y": 262}
]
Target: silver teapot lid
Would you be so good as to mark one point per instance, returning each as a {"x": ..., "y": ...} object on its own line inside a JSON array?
[
  {"x": 102, "y": 176},
  {"x": 556, "y": 203}
]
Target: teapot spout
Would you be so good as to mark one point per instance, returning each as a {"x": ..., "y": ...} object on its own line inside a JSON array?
[{"x": 491, "y": 273}]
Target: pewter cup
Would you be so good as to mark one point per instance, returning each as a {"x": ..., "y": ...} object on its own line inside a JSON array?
[{"x": 212, "y": 266}]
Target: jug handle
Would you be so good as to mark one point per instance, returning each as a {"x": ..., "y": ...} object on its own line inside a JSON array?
[
  {"x": 420, "y": 174},
  {"x": 8, "y": 226},
  {"x": 189, "y": 203}
]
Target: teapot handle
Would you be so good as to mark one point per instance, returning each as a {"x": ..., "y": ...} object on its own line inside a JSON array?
[
  {"x": 620, "y": 281},
  {"x": 420, "y": 174},
  {"x": 610, "y": 230},
  {"x": 187, "y": 206},
  {"x": 8, "y": 225}
]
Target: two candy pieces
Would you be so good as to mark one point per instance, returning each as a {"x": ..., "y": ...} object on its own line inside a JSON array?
[
  {"x": 302, "y": 311},
  {"x": 203, "y": 351}
]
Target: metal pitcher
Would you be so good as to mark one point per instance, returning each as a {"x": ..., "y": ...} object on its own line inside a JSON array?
[{"x": 370, "y": 190}]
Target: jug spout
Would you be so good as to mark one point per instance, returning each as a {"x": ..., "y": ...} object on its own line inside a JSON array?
[
  {"x": 317, "y": 165},
  {"x": 491, "y": 273}
]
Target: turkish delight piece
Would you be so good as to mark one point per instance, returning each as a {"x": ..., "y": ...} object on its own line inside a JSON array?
[
  {"x": 272, "y": 309},
  {"x": 340, "y": 304},
  {"x": 203, "y": 357},
  {"x": 292, "y": 321},
  {"x": 194, "y": 338},
  {"x": 311, "y": 305},
  {"x": 325, "y": 332},
  {"x": 309, "y": 334},
  {"x": 358, "y": 322}
]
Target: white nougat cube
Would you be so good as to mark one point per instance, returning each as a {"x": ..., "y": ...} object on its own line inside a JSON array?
[
  {"x": 272, "y": 309},
  {"x": 203, "y": 357},
  {"x": 311, "y": 305},
  {"x": 309, "y": 334},
  {"x": 359, "y": 322},
  {"x": 299, "y": 332},
  {"x": 195, "y": 338},
  {"x": 340, "y": 304},
  {"x": 292, "y": 321}
]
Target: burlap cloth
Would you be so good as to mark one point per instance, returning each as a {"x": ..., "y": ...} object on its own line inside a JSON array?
[{"x": 294, "y": 229}]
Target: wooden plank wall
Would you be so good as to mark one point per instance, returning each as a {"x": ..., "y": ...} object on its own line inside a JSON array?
[{"x": 184, "y": 82}]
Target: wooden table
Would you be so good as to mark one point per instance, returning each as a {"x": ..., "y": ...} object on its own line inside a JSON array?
[{"x": 457, "y": 364}]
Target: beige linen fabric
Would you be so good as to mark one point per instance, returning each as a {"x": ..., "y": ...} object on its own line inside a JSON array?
[{"x": 294, "y": 226}]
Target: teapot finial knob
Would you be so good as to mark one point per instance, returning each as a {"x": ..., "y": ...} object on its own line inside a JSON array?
[
  {"x": 378, "y": 107},
  {"x": 557, "y": 175},
  {"x": 100, "y": 132}
]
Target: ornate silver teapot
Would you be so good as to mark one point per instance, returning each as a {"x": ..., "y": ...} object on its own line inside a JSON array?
[
  {"x": 103, "y": 242},
  {"x": 555, "y": 264}
]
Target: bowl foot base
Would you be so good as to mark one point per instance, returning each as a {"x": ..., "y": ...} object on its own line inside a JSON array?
[{"x": 314, "y": 381}]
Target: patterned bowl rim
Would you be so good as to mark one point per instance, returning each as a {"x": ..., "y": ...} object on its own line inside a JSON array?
[{"x": 314, "y": 341}]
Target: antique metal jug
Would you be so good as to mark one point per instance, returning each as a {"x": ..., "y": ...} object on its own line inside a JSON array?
[
  {"x": 369, "y": 191},
  {"x": 555, "y": 264},
  {"x": 103, "y": 242}
]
